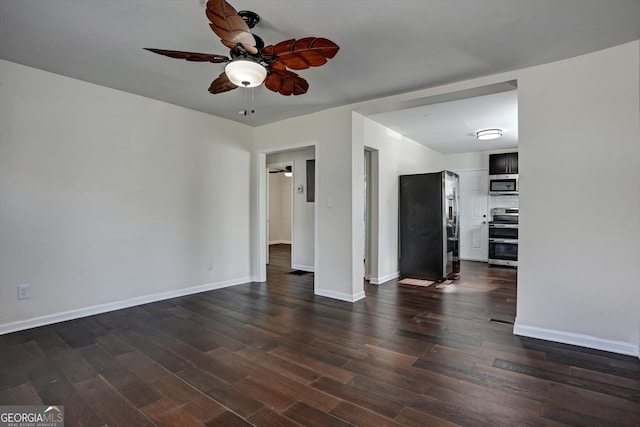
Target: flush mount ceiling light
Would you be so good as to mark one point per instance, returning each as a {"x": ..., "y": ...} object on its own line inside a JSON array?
[
  {"x": 245, "y": 73},
  {"x": 487, "y": 134}
]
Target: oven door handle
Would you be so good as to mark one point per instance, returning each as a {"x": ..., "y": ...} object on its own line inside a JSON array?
[
  {"x": 512, "y": 241},
  {"x": 503, "y": 225}
]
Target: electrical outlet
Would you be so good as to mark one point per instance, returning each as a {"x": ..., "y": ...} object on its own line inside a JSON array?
[
  {"x": 210, "y": 265},
  {"x": 24, "y": 291}
]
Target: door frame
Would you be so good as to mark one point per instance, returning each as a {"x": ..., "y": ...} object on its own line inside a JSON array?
[
  {"x": 260, "y": 251},
  {"x": 371, "y": 214}
]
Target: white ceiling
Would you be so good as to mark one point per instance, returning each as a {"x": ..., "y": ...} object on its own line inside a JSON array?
[
  {"x": 450, "y": 127},
  {"x": 386, "y": 47}
]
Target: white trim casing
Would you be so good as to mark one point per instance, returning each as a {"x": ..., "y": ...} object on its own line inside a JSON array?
[
  {"x": 117, "y": 305},
  {"x": 619, "y": 347},
  {"x": 339, "y": 295},
  {"x": 382, "y": 279}
]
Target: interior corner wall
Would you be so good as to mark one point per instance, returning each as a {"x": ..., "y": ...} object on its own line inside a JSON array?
[
  {"x": 302, "y": 239},
  {"x": 397, "y": 156},
  {"x": 579, "y": 126},
  {"x": 108, "y": 199}
]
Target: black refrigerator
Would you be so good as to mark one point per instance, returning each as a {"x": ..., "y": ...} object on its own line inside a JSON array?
[{"x": 429, "y": 226}]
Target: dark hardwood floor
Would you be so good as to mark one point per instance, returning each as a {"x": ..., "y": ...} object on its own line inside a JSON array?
[{"x": 273, "y": 354}]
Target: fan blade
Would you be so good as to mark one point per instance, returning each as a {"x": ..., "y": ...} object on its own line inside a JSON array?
[
  {"x": 286, "y": 82},
  {"x": 303, "y": 53},
  {"x": 190, "y": 56},
  {"x": 230, "y": 26},
  {"x": 221, "y": 84}
]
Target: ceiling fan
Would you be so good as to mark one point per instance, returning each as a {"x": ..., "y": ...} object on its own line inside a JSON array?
[
  {"x": 287, "y": 170},
  {"x": 251, "y": 63}
]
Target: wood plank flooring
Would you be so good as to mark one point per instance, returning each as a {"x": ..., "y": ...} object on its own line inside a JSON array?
[{"x": 274, "y": 354}]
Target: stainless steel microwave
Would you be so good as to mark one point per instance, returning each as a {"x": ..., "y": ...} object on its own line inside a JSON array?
[{"x": 503, "y": 184}]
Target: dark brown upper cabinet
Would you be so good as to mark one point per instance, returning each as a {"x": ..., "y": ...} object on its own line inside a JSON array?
[{"x": 503, "y": 164}]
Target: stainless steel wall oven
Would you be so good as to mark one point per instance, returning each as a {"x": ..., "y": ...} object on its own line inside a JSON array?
[
  {"x": 503, "y": 236},
  {"x": 503, "y": 231}
]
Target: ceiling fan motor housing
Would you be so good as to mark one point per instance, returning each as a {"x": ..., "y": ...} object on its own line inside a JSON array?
[
  {"x": 249, "y": 17},
  {"x": 240, "y": 51}
]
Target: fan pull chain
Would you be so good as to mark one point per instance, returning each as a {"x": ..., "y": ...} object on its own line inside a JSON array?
[
  {"x": 253, "y": 100},
  {"x": 244, "y": 110},
  {"x": 249, "y": 108}
]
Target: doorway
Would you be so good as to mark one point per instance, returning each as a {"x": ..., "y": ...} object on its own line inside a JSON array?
[
  {"x": 302, "y": 212},
  {"x": 280, "y": 210},
  {"x": 474, "y": 240}
]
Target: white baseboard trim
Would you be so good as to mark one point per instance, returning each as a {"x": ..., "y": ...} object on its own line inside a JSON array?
[
  {"x": 303, "y": 267},
  {"x": 588, "y": 341},
  {"x": 339, "y": 295},
  {"x": 280, "y": 242},
  {"x": 382, "y": 279},
  {"x": 117, "y": 305}
]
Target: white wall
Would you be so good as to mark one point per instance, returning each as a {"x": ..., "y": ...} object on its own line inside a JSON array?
[
  {"x": 580, "y": 200},
  {"x": 81, "y": 164},
  {"x": 109, "y": 199},
  {"x": 302, "y": 255},
  {"x": 397, "y": 156},
  {"x": 468, "y": 161}
]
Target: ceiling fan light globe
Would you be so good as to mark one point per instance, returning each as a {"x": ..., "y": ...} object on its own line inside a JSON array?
[{"x": 245, "y": 73}]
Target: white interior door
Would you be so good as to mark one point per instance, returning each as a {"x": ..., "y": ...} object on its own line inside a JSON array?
[{"x": 474, "y": 239}]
